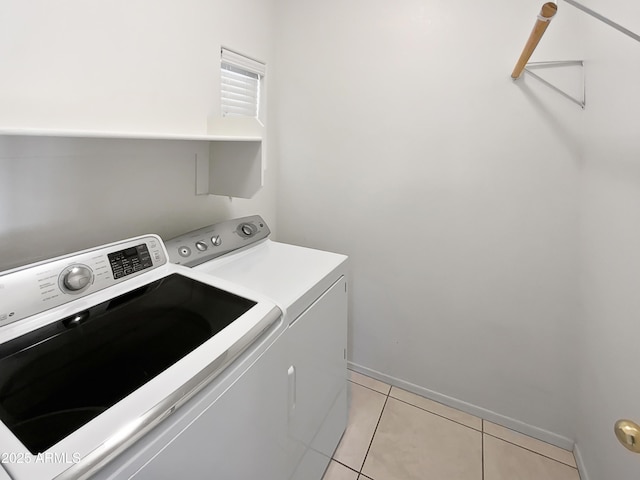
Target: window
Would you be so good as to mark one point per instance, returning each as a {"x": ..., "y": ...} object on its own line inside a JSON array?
[{"x": 240, "y": 84}]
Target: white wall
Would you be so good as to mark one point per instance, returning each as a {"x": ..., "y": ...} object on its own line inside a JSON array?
[
  {"x": 122, "y": 65},
  {"x": 150, "y": 66},
  {"x": 461, "y": 197},
  {"x": 610, "y": 234},
  {"x": 405, "y": 144}
]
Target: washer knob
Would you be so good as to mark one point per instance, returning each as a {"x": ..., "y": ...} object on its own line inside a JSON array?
[
  {"x": 77, "y": 278},
  {"x": 201, "y": 246},
  {"x": 216, "y": 240},
  {"x": 247, "y": 230}
]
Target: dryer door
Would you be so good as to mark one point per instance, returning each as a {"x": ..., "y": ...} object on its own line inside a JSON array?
[{"x": 317, "y": 380}]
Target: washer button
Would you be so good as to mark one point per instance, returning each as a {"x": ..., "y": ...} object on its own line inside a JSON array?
[
  {"x": 184, "y": 251},
  {"x": 201, "y": 246}
]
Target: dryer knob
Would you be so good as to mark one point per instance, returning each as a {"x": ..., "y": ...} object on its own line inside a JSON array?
[{"x": 77, "y": 277}]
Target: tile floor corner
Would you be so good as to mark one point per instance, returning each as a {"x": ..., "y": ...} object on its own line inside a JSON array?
[{"x": 393, "y": 434}]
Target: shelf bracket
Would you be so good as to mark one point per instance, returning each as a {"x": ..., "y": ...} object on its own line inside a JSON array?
[
  {"x": 202, "y": 175},
  {"x": 566, "y": 63}
]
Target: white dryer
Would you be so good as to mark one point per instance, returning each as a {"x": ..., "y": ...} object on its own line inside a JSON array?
[{"x": 310, "y": 287}]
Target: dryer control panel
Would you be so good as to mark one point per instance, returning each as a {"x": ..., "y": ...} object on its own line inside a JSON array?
[
  {"x": 34, "y": 288},
  {"x": 206, "y": 243}
]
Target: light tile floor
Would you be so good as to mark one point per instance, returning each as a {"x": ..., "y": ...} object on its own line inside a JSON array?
[{"x": 393, "y": 434}]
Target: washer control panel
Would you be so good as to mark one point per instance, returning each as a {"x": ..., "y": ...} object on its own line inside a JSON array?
[
  {"x": 32, "y": 289},
  {"x": 206, "y": 243}
]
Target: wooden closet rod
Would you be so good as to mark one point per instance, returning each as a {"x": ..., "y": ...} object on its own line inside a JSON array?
[{"x": 547, "y": 12}]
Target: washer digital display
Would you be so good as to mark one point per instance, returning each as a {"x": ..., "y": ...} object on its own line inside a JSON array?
[{"x": 130, "y": 260}]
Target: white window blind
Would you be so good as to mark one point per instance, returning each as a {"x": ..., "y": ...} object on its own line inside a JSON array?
[{"x": 240, "y": 84}]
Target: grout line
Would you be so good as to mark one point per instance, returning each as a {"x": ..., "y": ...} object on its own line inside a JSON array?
[
  {"x": 533, "y": 451},
  {"x": 438, "y": 415},
  {"x": 344, "y": 465},
  {"x": 372, "y": 389},
  {"x": 374, "y": 435},
  {"x": 366, "y": 386},
  {"x": 482, "y": 435}
]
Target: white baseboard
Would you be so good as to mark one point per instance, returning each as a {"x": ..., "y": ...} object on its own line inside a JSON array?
[
  {"x": 582, "y": 468},
  {"x": 512, "y": 423}
]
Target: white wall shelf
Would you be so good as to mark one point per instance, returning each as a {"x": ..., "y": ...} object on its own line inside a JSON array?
[
  {"x": 233, "y": 168},
  {"x": 126, "y": 135}
]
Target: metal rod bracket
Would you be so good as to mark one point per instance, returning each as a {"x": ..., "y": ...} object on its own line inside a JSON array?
[{"x": 563, "y": 63}]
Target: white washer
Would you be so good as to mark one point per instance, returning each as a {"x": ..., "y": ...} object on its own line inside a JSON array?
[
  {"x": 310, "y": 287},
  {"x": 117, "y": 364}
]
